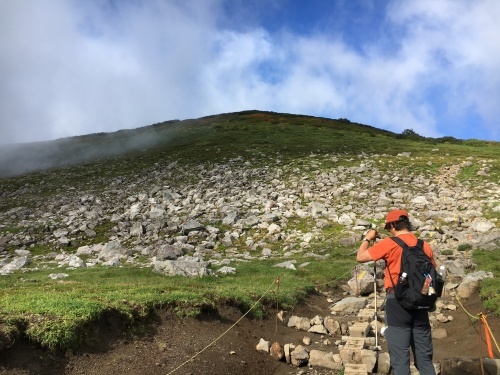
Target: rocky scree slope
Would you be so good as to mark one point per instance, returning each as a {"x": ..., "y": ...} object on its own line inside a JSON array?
[{"x": 192, "y": 220}]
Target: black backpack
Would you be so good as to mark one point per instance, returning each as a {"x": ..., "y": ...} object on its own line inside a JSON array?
[{"x": 419, "y": 284}]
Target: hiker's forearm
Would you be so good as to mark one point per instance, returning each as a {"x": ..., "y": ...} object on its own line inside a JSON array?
[{"x": 363, "y": 254}]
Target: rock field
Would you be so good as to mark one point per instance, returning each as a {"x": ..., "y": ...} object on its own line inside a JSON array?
[{"x": 197, "y": 221}]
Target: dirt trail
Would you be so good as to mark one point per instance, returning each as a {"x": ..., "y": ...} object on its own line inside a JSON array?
[{"x": 170, "y": 341}]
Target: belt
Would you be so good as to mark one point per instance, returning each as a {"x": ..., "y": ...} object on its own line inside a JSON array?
[{"x": 389, "y": 290}]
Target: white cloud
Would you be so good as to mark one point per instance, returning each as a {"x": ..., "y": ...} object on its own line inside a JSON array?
[
  {"x": 72, "y": 70},
  {"x": 71, "y": 67},
  {"x": 459, "y": 40}
]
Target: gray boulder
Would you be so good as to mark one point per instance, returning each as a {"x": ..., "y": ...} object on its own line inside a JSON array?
[
  {"x": 319, "y": 358},
  {"x": 192, "y": 225},
  {"x": 231, "y": 218},
  {"x": 299, "y": 356},
  {"x": 113, "y": 250},
  {"x": 186, "y": 267},
  {"x": 349, "y": 305},
  {"x": 15, "y": 265},
  {"x": 168, "y": 252},
  {"x": 470, "y": 283}
]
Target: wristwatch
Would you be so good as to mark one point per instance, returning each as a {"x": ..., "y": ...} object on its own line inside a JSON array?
[{"x": 367, "y": 240}]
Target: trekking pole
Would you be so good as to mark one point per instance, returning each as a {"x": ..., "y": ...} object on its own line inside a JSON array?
[{"x": 377, "y": 349}]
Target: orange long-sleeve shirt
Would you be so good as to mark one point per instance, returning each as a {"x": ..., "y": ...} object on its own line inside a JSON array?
[{"x": 390, "y": 251}]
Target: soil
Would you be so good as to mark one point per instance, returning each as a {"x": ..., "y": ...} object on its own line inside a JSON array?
[{"x": 168, "y": 343}]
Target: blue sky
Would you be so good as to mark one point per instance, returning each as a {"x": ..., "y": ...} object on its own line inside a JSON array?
[{"x": 71, "y": 67}]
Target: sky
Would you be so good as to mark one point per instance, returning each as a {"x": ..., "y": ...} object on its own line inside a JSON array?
[{"x": 72, "y": 67}]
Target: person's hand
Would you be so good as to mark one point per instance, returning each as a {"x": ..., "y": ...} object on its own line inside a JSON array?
[{"x": 371, "y": 235}]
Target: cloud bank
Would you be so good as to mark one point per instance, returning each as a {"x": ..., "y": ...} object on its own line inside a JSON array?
[{"x": 69, "y": 67}]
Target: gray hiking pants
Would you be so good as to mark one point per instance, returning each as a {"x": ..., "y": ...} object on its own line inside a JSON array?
[{"x": 408, "y": 329}]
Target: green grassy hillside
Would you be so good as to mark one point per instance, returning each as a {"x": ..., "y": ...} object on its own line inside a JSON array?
[{"x": 58, "y": 314}]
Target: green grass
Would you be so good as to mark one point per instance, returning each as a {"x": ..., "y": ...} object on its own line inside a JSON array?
[
  {"x": 54, "y": 313},
  {"x": 490, "y": 288}
]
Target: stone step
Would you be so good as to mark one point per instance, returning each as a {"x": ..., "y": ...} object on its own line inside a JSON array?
[
  {"x": 351, "y": 352},
  {"x": 359, "y": 329},
  {"x": 355, "y": 369},
  {"x": 366, "y": 315}
]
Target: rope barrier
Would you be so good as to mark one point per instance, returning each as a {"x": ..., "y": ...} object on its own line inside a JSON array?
[
  {"x": 277, "y": 281},
  {"x": 487, "y": 330},
  {"x": 462, "y": 306},
  {"x": 224, "y": 333},
  {"x": 338, "y": 278}
]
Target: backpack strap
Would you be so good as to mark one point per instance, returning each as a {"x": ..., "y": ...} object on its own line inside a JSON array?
[
  {"x": 400, "y": 242},
  {"x": 404, "y": 246}
]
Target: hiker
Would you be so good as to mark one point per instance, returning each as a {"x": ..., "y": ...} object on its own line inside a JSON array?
[{"x": 405, "y": 327}]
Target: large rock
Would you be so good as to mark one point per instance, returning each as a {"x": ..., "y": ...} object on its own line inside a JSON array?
[
  {"x": 192, "y": 225},
  {"x": 332, "y": 325},
  {"x": 156, "y": 212},
  {"x": 59, "y": 233},
  {"x": 277, "y": 351},
  {"x": 369, "y": 358},
  {"x": 349, "y": 305},
  {"x": 299, "y": 356},
  {"x": 420, "y": 201},
  {"x": 439, "y": 333},
  {"x": 168, "y": 252},
  {"x": 185, "y": 267},
  {"x": 15, "y": 265},
  {"x": 76, "y": 262},
  {"x": 319, "y": 358},
  {"x": 137, "y": 229},
  {"x": 84, "y": 250},
  {"x": 470, "y": 283},
  {"x": 384, "y": 363},
  {"x": 317, "y": 208},
  {"x": 113, "y": 250},
  {"x": 454, "y": 267},
  {"x": 345, "y": 219},
  {"x": 318, "y": 328},
  {"x": 302, "y": 323},
  {"x": 482, "y": 225},
  {"x": 362, "y": 283},
  {"x": 135, "y": 210},
  {"x": 231, "y": 218},
  {"x": 263, "y": 346},
  {"x": 250, "y": 221}
]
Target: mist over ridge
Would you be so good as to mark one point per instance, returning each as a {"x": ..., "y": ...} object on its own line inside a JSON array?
[{"x": 18, "y": 159}]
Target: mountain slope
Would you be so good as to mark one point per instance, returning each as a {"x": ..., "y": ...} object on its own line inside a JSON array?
[
  {"x": 248, "y": 190},
  {"x": 219, "y": 136}
]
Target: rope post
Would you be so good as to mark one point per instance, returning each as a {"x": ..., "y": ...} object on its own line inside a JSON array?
[
  {"x": 487, "y": 335},
  {"x": 357, "y": 281},
  {"x": 277, "y": 301}
]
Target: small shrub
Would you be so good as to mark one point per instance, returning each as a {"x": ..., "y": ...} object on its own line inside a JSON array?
[
  {"x": 464, "y": 247},
  {"x": 447, "y": 252},
  {"x": 409, "y": 133}
]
